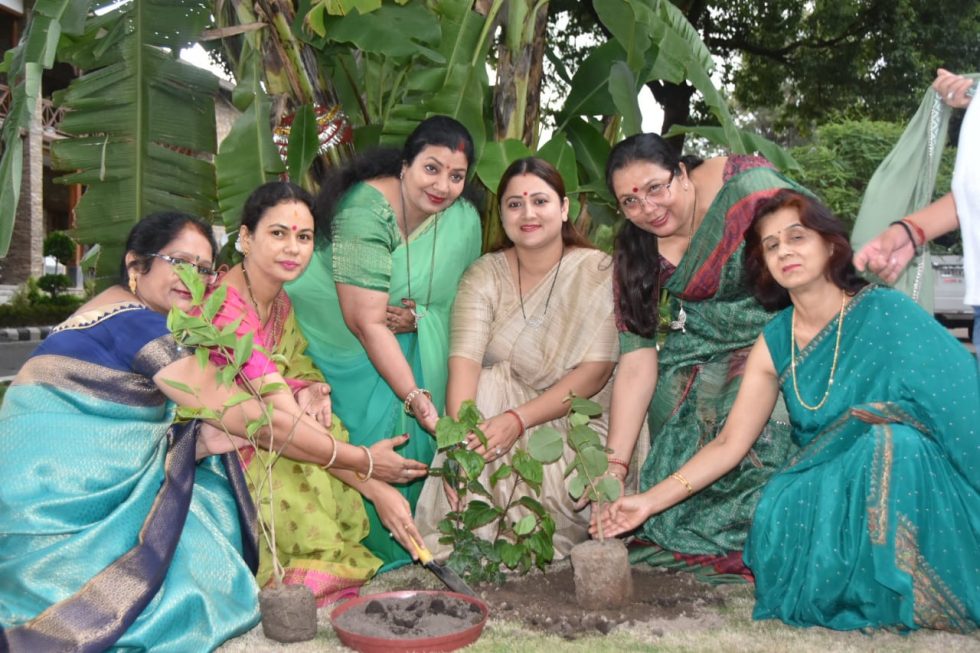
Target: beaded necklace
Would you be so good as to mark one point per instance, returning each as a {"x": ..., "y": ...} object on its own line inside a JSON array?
[
  {"x": 833, "y": 365},
  {"x": 274, "y": 315}
]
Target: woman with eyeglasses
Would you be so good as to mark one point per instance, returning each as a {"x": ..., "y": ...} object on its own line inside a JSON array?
[
  {"x": 683, "y": 241},
  {"x": 117, "y": 524}
]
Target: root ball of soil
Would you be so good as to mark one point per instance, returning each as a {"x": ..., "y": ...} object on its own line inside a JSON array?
[
  {"x": 602, "y": 574},
  {"x": 288, "y": 613}
]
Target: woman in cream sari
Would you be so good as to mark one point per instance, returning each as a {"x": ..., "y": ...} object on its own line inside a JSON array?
[{"x": 532, "y": 322}]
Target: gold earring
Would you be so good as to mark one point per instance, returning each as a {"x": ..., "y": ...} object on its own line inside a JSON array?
[{"x": 132, "y": 283}]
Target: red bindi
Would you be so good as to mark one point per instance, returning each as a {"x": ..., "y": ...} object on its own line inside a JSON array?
[
  {"x": 635, "y": 189},
  {"x": 525, "y": 193},
  {"x": 294, "y": 227}
]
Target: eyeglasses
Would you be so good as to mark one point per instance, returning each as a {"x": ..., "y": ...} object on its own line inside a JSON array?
[
  {"x": 206, "y": 273},
  {"x": 632, "y": 205}
]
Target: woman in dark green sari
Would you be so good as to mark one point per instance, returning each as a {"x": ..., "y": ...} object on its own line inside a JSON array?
[
  {"x": 686, "y": 220},
  {"x": 875, "y": 522}
]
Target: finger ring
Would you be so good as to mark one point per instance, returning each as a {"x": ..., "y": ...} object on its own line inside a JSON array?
[
  {"x": 500, "y": 451},
  {"x": 949, "y": 96}
]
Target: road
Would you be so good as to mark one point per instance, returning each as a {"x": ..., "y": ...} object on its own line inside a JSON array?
[{"x": 13, "y": 355}]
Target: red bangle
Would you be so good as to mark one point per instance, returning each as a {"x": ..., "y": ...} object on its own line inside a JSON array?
[
  {"x": 520, "y": 420},
  {"x": 617, "y": 461},
  {"x": 918, "y": 231}
]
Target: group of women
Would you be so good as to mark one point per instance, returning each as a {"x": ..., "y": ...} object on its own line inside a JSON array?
[{"x": 796, "y": 448}]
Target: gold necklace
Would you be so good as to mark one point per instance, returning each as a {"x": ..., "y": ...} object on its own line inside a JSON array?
[
  {"x": 833, "y": 365},
  {"x": 273, "y": 313},
  {"x": 418, "y": 312}
]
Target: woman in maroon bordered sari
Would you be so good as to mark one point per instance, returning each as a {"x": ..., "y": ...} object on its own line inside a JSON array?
[{"x": 686, "y": 221}]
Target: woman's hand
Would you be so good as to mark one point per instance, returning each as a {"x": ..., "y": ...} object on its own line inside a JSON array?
[
  {"x": 425, "y": 412},
  {"x": 621, "y": 516},
  {"x": 396, "y": 515},
  {"x": 211, "y": 441},
  {"x": 952, "y": 88},
  {"x": 314, "y": 400},
  {"x": 887, "y": 255},
  {"x": 502, "y": 432},
  {"x": 401, "y": 320},
  {"x": 391, "y": 467}
]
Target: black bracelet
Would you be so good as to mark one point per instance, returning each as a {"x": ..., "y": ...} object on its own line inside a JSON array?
[{"x": 908, "y": 230}]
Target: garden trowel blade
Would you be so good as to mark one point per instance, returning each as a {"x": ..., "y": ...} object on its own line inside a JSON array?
[{"x": 445, "y": 574}]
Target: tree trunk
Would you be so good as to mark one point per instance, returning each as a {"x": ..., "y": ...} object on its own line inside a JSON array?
[
  {"x": 517, "y": 92},
  {"x": 676, "y": 102}
]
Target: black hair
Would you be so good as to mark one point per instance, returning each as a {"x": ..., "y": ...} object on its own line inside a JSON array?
[
  {"x": 269, "y": 195},
  {"x": 636, "y": 257},
  {"x": 153, "y": 233},
  {"x": 813, "y": 215},
  {"x": 387, "y": 162}
]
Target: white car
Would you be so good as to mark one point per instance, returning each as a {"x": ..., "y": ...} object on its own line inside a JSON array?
[{"x": 949, "y": 291}]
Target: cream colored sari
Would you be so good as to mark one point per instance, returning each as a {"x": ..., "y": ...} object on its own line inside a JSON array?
[{"x": 520, "y": 361}]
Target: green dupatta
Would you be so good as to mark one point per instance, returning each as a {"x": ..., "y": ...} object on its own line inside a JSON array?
[{"x": 904, "y": 183}]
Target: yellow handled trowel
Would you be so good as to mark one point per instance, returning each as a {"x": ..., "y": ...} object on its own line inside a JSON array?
[{"x": 445, "y": 574}]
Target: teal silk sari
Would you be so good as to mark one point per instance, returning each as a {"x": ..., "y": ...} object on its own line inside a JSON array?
[
  {"x": 110, "y": 534},
  {"x": 368, "y": 251},
  {"x": 876, "y": 521}
]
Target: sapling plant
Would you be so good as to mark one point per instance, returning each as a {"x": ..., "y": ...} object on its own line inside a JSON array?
[{"x": 517, "y": 544}]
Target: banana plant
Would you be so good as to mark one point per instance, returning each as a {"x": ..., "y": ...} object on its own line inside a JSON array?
[
  {"x": 141, "y": 120},
  {"x": 23, "y": 67}
]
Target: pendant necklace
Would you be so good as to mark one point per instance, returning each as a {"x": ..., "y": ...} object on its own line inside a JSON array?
[
  {"x": 273, "y": 313},
  {"x": 833, "y": 365},
  {"x": 678, "y": 324},
  {"x": 537, "y": 320},
  {"x": 418, "y": 312}
]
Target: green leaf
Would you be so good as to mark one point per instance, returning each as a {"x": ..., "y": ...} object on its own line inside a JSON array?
[
  {"x": 243, "y": 350},
  {"x": 303, "y": 143},
  {"x": 510, "y": 554},
  {"x": 479, "y": 513},
  {"x": 779, "y": 156},
  {"x": 591, "y": 152},
  {"x": 578, "y": 419},
  {"x": 203, "y": 356},
  {"x": 559, "y": 153},
  {"x": 476, "y": 487},
  {"x": 577, "y": 485},
  {"x": 237, "y": 398},
  {"x": 623, "y": 89},
  {"x": 594, "y": 462},
  {"x": 449, "y": 432},
  {"x": 183, "y": 387},
  {"x": 502, "y": 472},
  {"x": 214, "y": 302},
  {"x": 528, "y": 469},
  {"x": 586, "y": 407},
  {"x": 533, "y": 505},
  {"x": 471, "y": 462},
  {"x": 525, "y": 525},
  {"x": 546, "y": 444},
  {"x": 608, "y": 488},
  {"x": 272, "y": 388},
  {"x": 582, "y": 437},
  {"x": 497, "y": 155},
  {"x": 469, "y": 414}
]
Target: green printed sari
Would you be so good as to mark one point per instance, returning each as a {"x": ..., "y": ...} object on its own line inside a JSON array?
[{"x": 700, "y": 371}]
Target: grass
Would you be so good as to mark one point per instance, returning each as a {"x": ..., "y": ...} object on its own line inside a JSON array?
[{"x": 729, "y": 629}]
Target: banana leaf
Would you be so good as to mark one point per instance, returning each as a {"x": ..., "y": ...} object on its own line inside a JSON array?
[
  {"x": 141, "y": 121},
  {"x": 23, "y": 67}
]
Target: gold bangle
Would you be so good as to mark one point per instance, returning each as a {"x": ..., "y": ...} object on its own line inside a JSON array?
[
  {"x": 333, "y": 456},
  {"x": 370, "y": 472},
  {"x": 411, "y": 397},
  {"x": 683, "y": 481}
]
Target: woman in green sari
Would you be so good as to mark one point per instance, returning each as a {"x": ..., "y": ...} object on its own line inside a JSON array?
[
  {"x": 686, "y": 220},
  {"x": 375, "y": 301},
  {"x": 875, "y": 522}
]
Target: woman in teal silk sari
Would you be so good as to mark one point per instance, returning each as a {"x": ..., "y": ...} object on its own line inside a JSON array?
[
  {"x": 374, "y": 303},
  {"x": 875, "y": 522},
  {"x": 119, "y": 530},
  {"x": 684, "y": 234}
]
